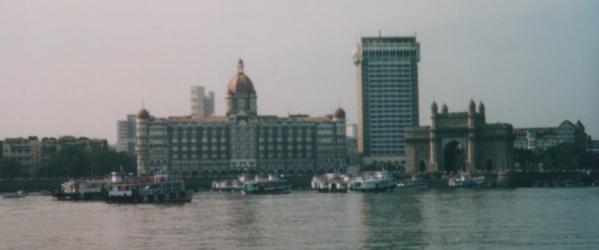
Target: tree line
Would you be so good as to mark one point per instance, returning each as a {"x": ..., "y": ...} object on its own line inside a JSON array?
[
  {"x": 72, "y": 162},
  {"x": 563, "y": 156}
]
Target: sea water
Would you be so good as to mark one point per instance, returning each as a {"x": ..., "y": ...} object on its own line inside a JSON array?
[{"x": 524, "y": 218}]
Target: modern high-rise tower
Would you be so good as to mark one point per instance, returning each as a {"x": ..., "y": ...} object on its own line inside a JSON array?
[{"x": 387, "y": 81}]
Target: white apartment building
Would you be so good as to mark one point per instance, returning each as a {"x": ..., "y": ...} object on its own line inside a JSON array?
[{"x": 201, "y": 105}]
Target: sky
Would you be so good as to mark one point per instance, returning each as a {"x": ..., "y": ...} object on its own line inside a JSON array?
[{"x": 77, "y": 67}]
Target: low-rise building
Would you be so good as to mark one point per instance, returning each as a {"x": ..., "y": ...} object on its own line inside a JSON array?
[
  {"x": 546, "y": 137},
  {"x": 23, "y": 150}
]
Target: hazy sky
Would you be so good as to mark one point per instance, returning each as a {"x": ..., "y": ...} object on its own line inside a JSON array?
[{"x": 76, "y": 67}]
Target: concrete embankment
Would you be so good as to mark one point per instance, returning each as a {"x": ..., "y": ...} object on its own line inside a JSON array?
[
  {"x": 509, "y": 179},
  {"x": 30, "y": 185},
  {"x": 525, "y": 179}
]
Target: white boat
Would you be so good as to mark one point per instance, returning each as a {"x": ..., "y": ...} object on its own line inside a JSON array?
[
  {"x": 266, "y": 186},
  {"x": 459, "y": 181},
  {"x": 469, "y": 181},
  {"x": 479, "y": 181},
  {"x": 378, "y": 181},
  {"x": 19, "y": 194},
  {"x": 415, "y": 182},
  {"x": 229, "y": 185},
  {"x": 83, "y": 189},
  {"x": 159, "y": 188},
  {"x": 330, "y": 183},
  {"x": 573, "y": 183}
]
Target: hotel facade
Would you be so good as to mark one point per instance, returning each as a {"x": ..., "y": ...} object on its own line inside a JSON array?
[{"x": 241, "y": 141}]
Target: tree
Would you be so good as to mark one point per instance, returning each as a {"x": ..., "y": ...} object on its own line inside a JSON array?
[
  {"x": 10, "y": 168},
  {"x": 72, "y": 161}
]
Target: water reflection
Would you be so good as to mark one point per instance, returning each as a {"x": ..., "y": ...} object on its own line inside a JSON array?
[{"x": 393, "y": 220}]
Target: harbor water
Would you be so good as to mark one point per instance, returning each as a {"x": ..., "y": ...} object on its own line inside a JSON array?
[{"x": 523, "y": 218}]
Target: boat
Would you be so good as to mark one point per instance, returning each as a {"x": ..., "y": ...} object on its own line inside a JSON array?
[
  {"x": 459, "y": 181},
  {"x": 229, "y": 185},
  {"x": 470, "y": 181},
  {"x": 19, "y": 194},
  {"x": 415, "y": 182},
  {"x": 330, "y": 183},
  {"x": 479, "y": 181},
  {"x": 82, "y": 189},
  {"x": 377, "y": 181},
  {"x": 159, "y": 188},
  {"x": 573, "y": 183},
  {"x": 271, "y": 185},
  {"x": 536, "y": 183}
]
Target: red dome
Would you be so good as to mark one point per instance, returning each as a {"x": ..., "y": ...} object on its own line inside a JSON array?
[
  {"x": 241, "y": 84},
  {"x": 143, "y": 114},
  {"x": 339, "y": 113}
]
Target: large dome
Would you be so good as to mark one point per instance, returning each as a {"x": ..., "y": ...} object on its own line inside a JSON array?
[
  {"x": 240, "y": 83},
  {"x": 339, "y": 113},
  {"x": 143, "y": 114}
]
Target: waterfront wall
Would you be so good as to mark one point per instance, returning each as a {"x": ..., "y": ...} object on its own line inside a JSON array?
[
  {"x": 525, "y": 179},
  {"x": 509, "y": 179},
  {"x": 32, "y": 185}
]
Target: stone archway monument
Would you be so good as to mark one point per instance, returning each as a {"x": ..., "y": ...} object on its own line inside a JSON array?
[{"x": 459, "y": 141}]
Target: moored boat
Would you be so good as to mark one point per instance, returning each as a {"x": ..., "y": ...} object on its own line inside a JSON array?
[
  {"x": 573, "y": 183},
  {"x": 271, "y": 185},
  {"x": 415, "y": 182},
  {"x": 82, "y": 189},
  {"x": 229, "y": 185},
  {"x": 330, "y": 183},
  {"x": 19, "y": 194},
  {"x": 159, "y": 188},
  {"x": 378, "y": 181},
  {"x": 470, "y": 181}
]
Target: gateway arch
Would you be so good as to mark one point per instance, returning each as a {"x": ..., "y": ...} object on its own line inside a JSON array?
[{"x": 459, "y": 141}]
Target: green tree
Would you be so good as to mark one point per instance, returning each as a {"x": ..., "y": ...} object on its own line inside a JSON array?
[
  {"x": 80, "y": 162},
  {"x": 10, "y": 168}
]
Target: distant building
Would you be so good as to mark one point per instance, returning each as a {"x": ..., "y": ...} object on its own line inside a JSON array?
[
  {"x": 241, "y": 141},
  {"x": 23, "y": 150},
  {"x": 126, "y": 135},
  {"x": 201, "y": 105},
  {"x": 47, "y": 147},
  {"x": 546, "y": 137},
  {"x": 594, "y": 146},
  {"x": 351, "y": 130},
  {"x": 82, "y": 142},
  {"x": 30, "y": 152},
  {"x": 387, "y": 81}
]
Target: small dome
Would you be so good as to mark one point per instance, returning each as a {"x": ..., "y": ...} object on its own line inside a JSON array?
[
  {"x": 434, "y": 105},
  {"x": 143, "y": 114},
  {"x": 339, "y": 113}
]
